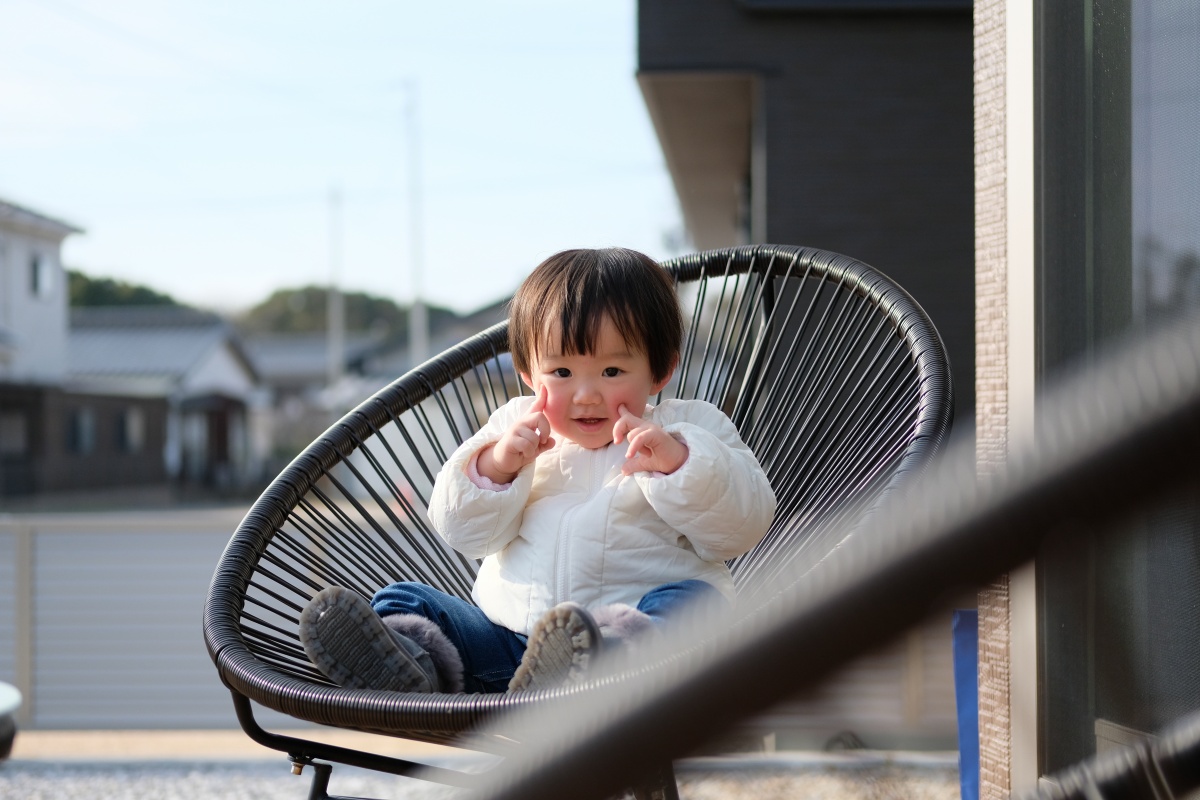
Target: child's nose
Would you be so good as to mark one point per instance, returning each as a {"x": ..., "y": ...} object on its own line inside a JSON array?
[{"x": 586, "y": 392}]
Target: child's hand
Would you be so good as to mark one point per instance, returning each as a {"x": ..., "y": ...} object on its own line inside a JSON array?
[
  {"x": 651, "y": 449},
  {"x": 527, "y": 439}
]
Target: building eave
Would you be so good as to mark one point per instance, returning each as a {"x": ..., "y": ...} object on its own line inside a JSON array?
[
  {"x": 19, "y": 219},
  {"x": 705, "y": 122}
]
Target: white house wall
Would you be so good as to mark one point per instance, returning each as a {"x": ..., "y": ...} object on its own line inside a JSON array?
[
  {"x": 218, "y": 372},
  {"x": 39, "y": 322}
]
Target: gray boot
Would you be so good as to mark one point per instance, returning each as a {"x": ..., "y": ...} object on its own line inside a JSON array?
[
  {"x": 351, "y": 645},
  {"x": 426, "y": 635},
  {"x": 561, "y": 647}
]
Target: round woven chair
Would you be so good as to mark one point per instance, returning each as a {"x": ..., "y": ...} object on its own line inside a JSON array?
[{"x": 833, "y": 374}]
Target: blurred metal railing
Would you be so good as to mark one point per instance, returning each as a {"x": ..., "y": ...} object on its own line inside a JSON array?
[{"x": 1108, "y": 442}]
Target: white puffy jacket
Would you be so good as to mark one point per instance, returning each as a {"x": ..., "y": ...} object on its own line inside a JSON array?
[{"x": 572, "y": 527}]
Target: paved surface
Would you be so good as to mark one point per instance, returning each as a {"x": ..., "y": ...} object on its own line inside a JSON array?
[{"x": 216, "y": 765}]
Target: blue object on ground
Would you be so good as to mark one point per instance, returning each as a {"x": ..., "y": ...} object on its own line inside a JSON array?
[{"x": 966, "y": 696}]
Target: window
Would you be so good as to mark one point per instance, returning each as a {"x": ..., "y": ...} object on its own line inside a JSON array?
[
  {"x": 131, "y": 430},
  {"x": 14, "y": 433},
  {"x": 81, "y": 431},
  {"x": 41, "y": 276}
]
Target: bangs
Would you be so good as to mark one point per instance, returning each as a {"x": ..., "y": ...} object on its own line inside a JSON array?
[
  {"x": 577, "y": 327},
  {"x": 560, "y": 306}
]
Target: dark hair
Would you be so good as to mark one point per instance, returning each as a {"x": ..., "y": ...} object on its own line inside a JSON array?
[{"x": 578, "y": 288}]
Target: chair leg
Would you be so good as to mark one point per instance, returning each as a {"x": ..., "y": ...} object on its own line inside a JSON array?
[
  {"x": 659, "y": 785},
  {"x": 319, "y": 788}
]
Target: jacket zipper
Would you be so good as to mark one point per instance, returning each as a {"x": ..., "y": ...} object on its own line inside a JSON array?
[{"x": 562, "y": 548}]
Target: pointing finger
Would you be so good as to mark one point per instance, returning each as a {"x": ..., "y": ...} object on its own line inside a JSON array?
[
  {"x": 539, "y": 403},
  {"x": 624, "y": 425}
]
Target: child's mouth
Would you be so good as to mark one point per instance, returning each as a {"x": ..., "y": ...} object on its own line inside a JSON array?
[{"x": 589, "y": 421}]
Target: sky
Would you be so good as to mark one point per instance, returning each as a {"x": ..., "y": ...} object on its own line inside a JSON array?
[{"x": 218, "y": 151}]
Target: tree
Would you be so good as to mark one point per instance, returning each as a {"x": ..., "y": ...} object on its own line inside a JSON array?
[
  {"x": 304, "y": 310},
  {"x": 88, "y": 291}
]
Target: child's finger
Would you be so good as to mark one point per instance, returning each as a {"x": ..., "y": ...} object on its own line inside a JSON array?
[
  {"x": 638, "y": 443},
  {"x": 619, "y": 430},
  {"x": 539, "y": 402},
  {"x": 626, "y": 422},
  {"x": 523, "y": 443},
  {"x": 635, "y": 465}
]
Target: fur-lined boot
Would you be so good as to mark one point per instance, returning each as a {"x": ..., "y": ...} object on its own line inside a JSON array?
[
  {"x": 426, "y": 634},
  {"x": 355, "y": 648},
  {"x": 560, "y": 650}
]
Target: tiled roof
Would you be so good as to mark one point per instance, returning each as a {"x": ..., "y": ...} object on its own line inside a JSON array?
[
  {"x": 282, "y": 356},
  {"x": 160, "y": 341}
]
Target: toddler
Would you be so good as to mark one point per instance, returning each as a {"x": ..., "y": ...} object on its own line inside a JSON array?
[{"x": 598, "y": 516}]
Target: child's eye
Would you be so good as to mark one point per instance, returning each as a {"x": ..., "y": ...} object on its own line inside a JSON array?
[
  {"x": 562, "y": 372},
  {"x": 612, "y": 372}
]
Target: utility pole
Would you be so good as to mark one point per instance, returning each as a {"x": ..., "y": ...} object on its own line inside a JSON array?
[
  {"x": 418, "y": 314},
  {"x": 335, "y": 316}
]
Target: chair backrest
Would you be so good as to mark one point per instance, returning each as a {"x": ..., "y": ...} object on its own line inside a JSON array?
[{"x": 832, "y": 373}]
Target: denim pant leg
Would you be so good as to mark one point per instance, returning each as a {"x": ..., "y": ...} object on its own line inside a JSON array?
[
  {"x": 663, "y": 603},
  {"x": 490, "y": 652}
]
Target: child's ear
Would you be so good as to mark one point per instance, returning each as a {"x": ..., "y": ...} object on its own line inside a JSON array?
[
  {"x": 658, "y": 387},
  {"x": 526, "y": 381}
]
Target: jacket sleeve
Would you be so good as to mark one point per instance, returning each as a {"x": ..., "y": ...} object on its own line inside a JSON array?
[
  {"x": 720, "y": 498},
  {"x": 476, "y": 521}
]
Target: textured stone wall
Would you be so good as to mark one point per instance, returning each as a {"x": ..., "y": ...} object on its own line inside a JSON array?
[{"x": 991, "y": 382}]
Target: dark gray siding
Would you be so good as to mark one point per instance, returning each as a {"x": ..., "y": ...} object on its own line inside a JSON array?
[{"x": 869, "y": 138}]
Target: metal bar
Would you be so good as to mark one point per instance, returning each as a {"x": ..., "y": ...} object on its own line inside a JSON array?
[{"x": 303, "y": 751}]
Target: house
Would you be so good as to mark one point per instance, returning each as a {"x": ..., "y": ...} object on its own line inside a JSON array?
[
  {"x": 784, "y": 120},
  {"x": 191, "y": 361},
  {"x": 295, "y": 371},
  {"x": 843, "y": 126},
  {"x": 33, "y": 296},
  {"x": 53, "y": 437},
  {"x": 113, "y": 397}
]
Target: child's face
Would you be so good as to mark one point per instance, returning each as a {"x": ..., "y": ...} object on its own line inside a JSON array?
[{"x": 585, "y": 391}]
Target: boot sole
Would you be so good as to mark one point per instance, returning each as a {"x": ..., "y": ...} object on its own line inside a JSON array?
[
  {"x": 348, "y": 642},
  {"x": 561, "y": 648}
]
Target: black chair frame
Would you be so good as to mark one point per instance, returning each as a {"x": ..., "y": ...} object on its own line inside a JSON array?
[{"x": 833, "y": 374}]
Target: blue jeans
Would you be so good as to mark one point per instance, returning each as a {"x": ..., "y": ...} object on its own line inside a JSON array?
[{"x": 491, "y": 653}]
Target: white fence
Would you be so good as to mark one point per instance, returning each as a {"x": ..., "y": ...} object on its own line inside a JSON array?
[
  {"x": 100, "y": 619},
  {"x": 100, "y": 628}
]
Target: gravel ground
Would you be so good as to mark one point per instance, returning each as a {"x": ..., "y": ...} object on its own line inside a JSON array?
[{"x": 865, "y": 777}]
